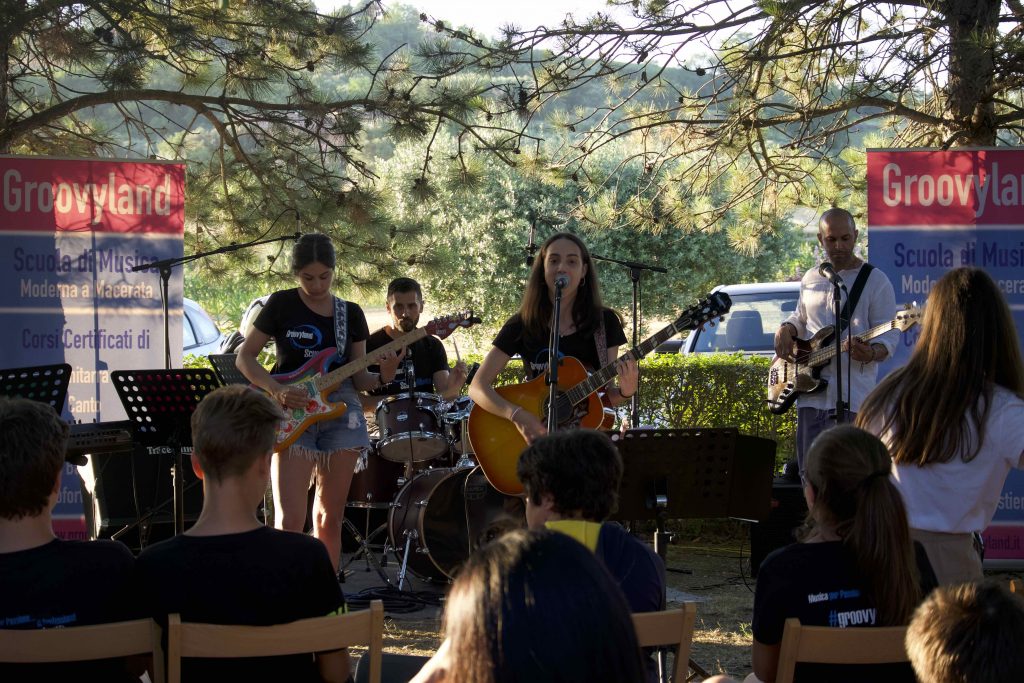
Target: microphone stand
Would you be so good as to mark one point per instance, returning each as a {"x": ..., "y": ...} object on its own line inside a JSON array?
[
  {"x": 166, "y": 265},
  {"x": 836, "y": 307},
  {"x": 635, "y": 271},
  {"x": 552, "y": 374}
]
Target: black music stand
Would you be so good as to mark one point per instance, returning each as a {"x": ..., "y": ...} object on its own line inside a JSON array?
[
  {"x": 227, "y": 372},
  {"x": 159, "y": 403},
  {"x": 44, "y": 383},
  {"x": 693, "y": 474}
]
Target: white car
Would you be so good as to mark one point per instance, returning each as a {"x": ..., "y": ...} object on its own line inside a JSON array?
[
  {"x": 749, "y": 327},
  {"x": 200, "y": 336}
]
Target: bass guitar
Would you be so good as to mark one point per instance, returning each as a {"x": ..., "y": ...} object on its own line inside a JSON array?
[
  {"x": 313, "y": 379},
  {"x": 787, "y": 379},
  {"x": 497, "y": 442}
]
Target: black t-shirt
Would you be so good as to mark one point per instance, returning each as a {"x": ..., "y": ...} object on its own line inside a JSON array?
[
  {"x": 256, "y": 578},
  {"x": 300, "y": 334},
  {"x": 512, "y": 341},
  {"x": 819, "y": 584},
  {"x": 65, "y": 584},
  {"x": 428, "y": 356}
]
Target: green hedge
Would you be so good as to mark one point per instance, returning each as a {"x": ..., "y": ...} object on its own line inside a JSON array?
[{"x": 714, "y": 390}]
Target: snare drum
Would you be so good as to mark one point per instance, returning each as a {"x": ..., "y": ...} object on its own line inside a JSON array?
[
  {"x": 410, "y": 427},
  {"x": 447, "y": 513}
]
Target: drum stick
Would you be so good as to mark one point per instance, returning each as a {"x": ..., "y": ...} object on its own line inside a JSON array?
[{"x": 458, "y": 358}]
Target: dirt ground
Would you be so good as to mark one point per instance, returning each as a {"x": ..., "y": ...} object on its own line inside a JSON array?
[{"x": 709, "y": 563}]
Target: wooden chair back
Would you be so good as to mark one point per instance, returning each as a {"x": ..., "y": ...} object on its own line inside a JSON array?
[
  {"x": 669, "y": 627},
  {"x": 84, "y": 643},
  {"x": 318, "y": 634},
  {"x": 826, "y": 645}
]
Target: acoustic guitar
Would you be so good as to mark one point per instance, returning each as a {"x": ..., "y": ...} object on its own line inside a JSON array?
[
  {"x": 787, "y": 379},
  {"x": 497, "y": 442},
  {"x": 313, "y": 379}
]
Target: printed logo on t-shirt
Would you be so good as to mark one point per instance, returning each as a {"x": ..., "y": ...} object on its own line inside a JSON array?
[
  {"x": 833, "y": 595},
  {"x": 304, "y": 337},
  {"x": 853, "y": 617},
  {"x": 540, "y": 361}
]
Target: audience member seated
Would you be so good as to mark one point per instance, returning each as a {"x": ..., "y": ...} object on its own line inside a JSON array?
[
  {"x": 46, "y": 582},
  {"x": 572, "y": 482},
  {"x": 535, "y": 606},
  {"x": 970, "y": 633},
  {"x": 856, "y": 565},
  {"x": 953, "y": 419},
  {"x": 229, "y": 568}
]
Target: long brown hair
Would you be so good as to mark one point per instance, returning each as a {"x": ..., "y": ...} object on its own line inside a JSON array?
[
  {"x": 848, "y": 469},
  {"x": 968, "y": 344},
  {"x": 536, "y": 307},
  {"x": 539, "y": 606}
]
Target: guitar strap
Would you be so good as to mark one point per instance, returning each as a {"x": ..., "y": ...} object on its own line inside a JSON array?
[
  {"x": 340, "y": 326},
  {"x": 854, "y": 297}
]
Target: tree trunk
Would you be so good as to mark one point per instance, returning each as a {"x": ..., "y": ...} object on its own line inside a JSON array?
[{"x": 973, "y": 30}]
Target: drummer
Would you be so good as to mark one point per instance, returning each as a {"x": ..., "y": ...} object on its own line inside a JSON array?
[{"x": 423, "y": 365}]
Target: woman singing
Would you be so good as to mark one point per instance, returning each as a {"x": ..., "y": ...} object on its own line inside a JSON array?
[
  {"x": 583, "y": 324},
  {"x": 303, "y": 322}
]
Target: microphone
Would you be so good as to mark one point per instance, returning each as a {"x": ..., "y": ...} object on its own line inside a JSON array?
[
  {"x": 562, "y": 281},
  {"x": 829, "y": 273}
]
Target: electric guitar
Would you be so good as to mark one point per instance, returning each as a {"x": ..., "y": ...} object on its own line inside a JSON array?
[
  {"x": 788, "y": 379},
  {"x": 497, "y": 442},
  {"x": 311, "y": 377}
]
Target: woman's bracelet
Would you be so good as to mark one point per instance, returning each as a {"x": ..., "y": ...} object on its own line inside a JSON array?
[{"x": 512, "y": 417}]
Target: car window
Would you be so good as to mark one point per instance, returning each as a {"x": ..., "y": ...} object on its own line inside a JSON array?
[
  {"x": 186, "y": 329},
  {"x": 750, "y": 324},
  {"x": 205, "y": 329}
]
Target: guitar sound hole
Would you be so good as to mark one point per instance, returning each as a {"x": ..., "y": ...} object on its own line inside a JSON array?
[{"x": 565, "y": 416}]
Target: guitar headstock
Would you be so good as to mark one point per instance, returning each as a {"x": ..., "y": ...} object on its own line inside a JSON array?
[
  {"x": 711, "y": 307},
  {"x": 445, "y": 325},
  {"x": 910, "y": 316}
]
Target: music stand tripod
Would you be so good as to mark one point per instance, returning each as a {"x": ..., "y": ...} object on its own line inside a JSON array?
[{"x": 159, "y": 404}]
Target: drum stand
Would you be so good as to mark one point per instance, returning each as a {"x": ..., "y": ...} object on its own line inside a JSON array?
[
  {"x": 410, "y": 536},
  {"x": 365, "y": 549}
]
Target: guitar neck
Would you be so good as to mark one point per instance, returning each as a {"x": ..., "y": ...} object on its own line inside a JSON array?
[
  {"x": 581, "y": 391},
  {"x": 336, "y": 377},
  {"x": 824, "y": 355}
]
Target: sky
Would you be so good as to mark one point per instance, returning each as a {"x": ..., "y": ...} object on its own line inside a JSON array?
[{"x": 487, "y": 16}]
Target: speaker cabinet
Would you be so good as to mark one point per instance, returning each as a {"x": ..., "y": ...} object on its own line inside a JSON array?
[
  {"x": 788, "y": 510},
  {"x": 130, "y": 496}
]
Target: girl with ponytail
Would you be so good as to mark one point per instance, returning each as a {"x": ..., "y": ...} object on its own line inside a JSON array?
[{"x": 855, "y": 565}]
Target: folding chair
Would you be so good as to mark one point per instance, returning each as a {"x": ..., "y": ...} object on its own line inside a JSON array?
[
  {"x": 669, "y": 627},
  {"x": 826, "y": 645},
  {"x": 84, "y": 643},
  {"x": 366, "y": 627}
]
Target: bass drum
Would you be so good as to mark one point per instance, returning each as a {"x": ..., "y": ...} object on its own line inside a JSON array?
[{"x": 449, "y": 513}]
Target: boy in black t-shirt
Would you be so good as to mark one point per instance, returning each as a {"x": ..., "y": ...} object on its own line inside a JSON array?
[
  {"x": 46, "y": 582},
  {"x": 229, "y": 568}
]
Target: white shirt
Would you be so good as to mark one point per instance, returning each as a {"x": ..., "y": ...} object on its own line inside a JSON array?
[
  {"x": 877, "y": 305},
  {"x": 958, "y": 496}
]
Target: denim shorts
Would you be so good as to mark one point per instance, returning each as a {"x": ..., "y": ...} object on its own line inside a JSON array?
[{"x": 347, "y": 432}]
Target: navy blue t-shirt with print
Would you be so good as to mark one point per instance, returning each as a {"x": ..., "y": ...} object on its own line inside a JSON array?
[{"x": 819, "y": 584}]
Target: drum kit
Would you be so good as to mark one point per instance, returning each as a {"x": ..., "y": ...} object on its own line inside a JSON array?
[{"x": 421, "y": 471}]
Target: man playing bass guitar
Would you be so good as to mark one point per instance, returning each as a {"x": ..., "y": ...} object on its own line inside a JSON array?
[
  {"x": 876, "y": 304},
  {"x": 588, "y": 331}
]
